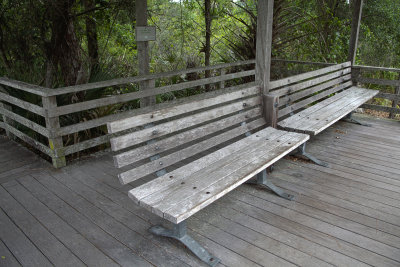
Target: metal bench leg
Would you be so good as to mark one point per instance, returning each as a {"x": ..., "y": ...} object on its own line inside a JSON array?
[
  {"x": 179, "y": 233},
  {"x": 262, "y": 180},
  {"x": 302, "y": 152},
  {"x": 349, "y": 118}
]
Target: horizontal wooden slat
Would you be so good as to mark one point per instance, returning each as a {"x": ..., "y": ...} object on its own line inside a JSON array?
[
  {"x": 161, "y": 114},
  {"x": 136, "y": 79},
  {"x": 160, "y": 146},
  {"x": 24, "y": 121},
  {"x": 23, "y": 104},
  {"x": 307, "y": 75},
  {"x": 29, "y": 140},
  {"x": 67, "y": 109},
  {"x": 381, "y": 108},
  {"x": 388, "y": 96},
  {"x": 168, "y": 160},
  {"x": 297, "y": 87},
  {"x": 303, "y": 62},
  {"x": 378, "y": 81},
  {"x": 180, "y": 124},
  {"x": 201, "y": 199},
  {"x": 293, "y": 120},
  {"x": 296, "y": 106},
  {"x": 307, "y": 92},
  {"x": 163, "y": 182},
  {"x": 375, "y": 68},
  {"x": 30, "y": 88},
  {"x": 136, "y": 112},
  {"x": 86, "y": 144}
]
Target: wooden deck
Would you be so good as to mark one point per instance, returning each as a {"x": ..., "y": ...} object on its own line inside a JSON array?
[{"x": 344, "y": 215}]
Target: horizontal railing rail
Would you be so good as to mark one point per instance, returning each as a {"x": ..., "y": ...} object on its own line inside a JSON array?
[
  {"x": 50, "y": 135},
  {"x": 370, "y": 76}
]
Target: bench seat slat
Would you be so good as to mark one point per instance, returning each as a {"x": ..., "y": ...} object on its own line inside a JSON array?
[
  {"x": 157, "y": 200},
  {"x": 326, "y": 107},
  {"x": 166, "y": 180},
  {"x": 235, "y": 170},
  {"x": 164, "y": 113},
  {"x": 292, "y": 120},
  {"x": 168, "y": 160},
  {"x": 159, "y": 146},
  {"x": 201, "y": 199},
  {"x": 169, "y": 127},
  {"x": 325, "y": 114}
]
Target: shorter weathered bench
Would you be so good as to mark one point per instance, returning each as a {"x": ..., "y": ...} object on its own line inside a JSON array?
[
  {"x": 313, "y": 101},
  {"x": 184, "y": 156}
]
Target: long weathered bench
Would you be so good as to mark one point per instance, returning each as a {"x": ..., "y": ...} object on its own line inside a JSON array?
[
  {"x": 312, "y": 101},
  {"x": 184, "y": 156}
]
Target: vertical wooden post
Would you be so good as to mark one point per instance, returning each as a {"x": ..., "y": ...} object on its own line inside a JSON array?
[
  {"x": 395, "y": 103},
  {"x": 355, "y": 29},
  {"x": 53, "y": 124},
  {"x": 265, "y": 14},
  {"x": 271, "y": 103},
  {"x": 222, "y": 83},
  {"x": 143, "y": 54},
  {"x": 6, "y": 120}
]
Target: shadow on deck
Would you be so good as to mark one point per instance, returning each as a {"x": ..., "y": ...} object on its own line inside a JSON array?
[{"x": 344, "y": 215}]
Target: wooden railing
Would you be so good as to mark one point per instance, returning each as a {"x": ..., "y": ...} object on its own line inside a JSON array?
[
  {"x": 38, "y": 116},
  {"x": 387, "y": 80},
  {"x": 48, "y": 119}
]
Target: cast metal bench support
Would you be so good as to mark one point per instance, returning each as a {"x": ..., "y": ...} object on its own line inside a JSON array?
[
  {"x": 261, "y": 179},
  {"x": 179, "y": 233},
  {"x": 301, "y": 151},
  {"x": 349, "y": 118}
]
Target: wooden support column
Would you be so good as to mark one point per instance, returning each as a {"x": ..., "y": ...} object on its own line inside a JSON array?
[
  {"x": 395, "y": 103},
  {"x": 53, "y": 124},
  {"x": 265, "y": 20},
  {"x": 355, "y": 29},
  {"x": 144, "y": 54}
]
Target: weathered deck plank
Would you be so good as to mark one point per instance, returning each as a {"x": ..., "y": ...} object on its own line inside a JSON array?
[{"x": 344, "y": 215}]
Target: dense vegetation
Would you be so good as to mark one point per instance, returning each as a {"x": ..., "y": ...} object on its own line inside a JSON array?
[{"x": 79, "y": 41}]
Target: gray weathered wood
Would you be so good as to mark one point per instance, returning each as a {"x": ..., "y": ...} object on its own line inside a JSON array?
[
  {"x": 179, "y": 124},
  {"x": 53, "y": 123},
  {"x": 379, "y": 81},
  {"x": 307, "y": 75},
  {"x": 270, "y": 105},
  {"x": 355, "y": 28},
  {"x": 30, "y": 88},
  {"x": 23, "y": 104},
  {"x": 136, "y": 79},
  {"x": 264, "y": 43},
  {"x": 373, "y": 68},
  {"x": 71, "y": 108},
  {"x": 381, "y": 108},
  {"x": 160, "y": 146},
  {"x": 395, "y": 101}
]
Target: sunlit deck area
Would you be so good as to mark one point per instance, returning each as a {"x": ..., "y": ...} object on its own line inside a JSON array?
[{"x": 345, "y": 215}]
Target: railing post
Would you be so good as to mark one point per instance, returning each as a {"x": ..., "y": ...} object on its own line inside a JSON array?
[
  {"x": 395, "y": 102},
  {"x": 222, "y": 83},
  {"x": 355, "y": 75},
  {"x": 53, "y": 124},
  {"x": 6, "y": 120}
]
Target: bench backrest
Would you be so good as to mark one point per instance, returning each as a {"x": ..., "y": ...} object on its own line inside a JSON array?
[
  {"x": 156, "y": 141},
  {"x": 297, "y": 92}
]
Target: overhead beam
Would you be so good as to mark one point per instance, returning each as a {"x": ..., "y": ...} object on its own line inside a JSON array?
[
  {"x": 264, "y": 42},
  {"x": 355, "y": 29},
  {"x": 144, "y": 54}
]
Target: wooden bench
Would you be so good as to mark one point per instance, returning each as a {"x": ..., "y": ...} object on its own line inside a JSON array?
[
  {"x": 313, "y": 101},
  {"x": 183, "y": 156}
]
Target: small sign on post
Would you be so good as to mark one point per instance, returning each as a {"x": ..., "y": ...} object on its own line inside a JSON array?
[{"x": 145, "y": 33}]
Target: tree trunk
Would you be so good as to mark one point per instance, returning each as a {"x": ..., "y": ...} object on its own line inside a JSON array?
[{"x": 91, "y": 35}]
